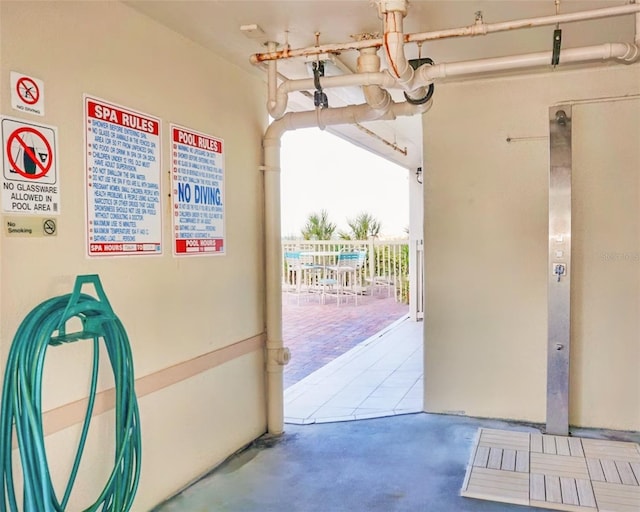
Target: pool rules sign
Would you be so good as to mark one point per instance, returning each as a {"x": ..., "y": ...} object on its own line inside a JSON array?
[
  {"x": 197, "y": 182},
  {"x": 30, "y": 181}
]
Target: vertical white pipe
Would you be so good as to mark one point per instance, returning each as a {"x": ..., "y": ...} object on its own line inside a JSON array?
[
  {"x": 393, "y": 46},
  {"x": 272, "y": 78},
  {"x": 376, "y": 96},
  {"x": 637, "y": 38},
  {"x": 393, "y": 13},
  {"x": 276, "y": 354}
]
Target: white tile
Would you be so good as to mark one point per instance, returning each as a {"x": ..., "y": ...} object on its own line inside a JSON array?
[
  {"x": 295, "y": 421},
  {"x": 392, "y": 392},
  {"x": 380, "y": 377},
  {"x": 336, "y": 419},
  {"x": 345, "y": 400},
  {"x": 298, "y": 421},
  {"x": 314, "y": 397},
  {"x": 370, "y": 410},
  {"x": 373, "y": 379},
  {"x": 385, "y": 365},
  {"x": 295, "y": 391},
  {"x": 369, "y": 415},
  {"x": 412, "y": 365},
  {"x": 379, "y": 403},
  {"x": 331, "y": 386},
  {"x": 301, "y": 411},
  {"x": 416, "y": 391},
  {"x": 402, "y": 380},
  {"x": 334, "y": 412},
  {"x": 412, "y": 404}
]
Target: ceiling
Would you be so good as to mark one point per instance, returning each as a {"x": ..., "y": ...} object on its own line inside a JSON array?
[{"x": 215, "y": 24}]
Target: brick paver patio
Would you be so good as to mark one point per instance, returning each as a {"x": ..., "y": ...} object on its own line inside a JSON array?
[{"x": 318, "y": 333}]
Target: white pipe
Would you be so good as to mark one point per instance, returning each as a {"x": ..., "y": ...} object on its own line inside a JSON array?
[
  {"x": 471, "y": 30},
  {"x": 392, "y": 42},
  {"x": 375, "y": 96},
  {"x": 307, "y": 84},
  {"x": 276, "y": 354},
  {"x": 402, "y": 75},
  {"x": 272, "y": 79},
  {"x": 427, "y": 74},
  {"x": 489, "y": 28},
  {"x": 381, "y": 78},
  {"x": 393, "y": 13},
  {"x": 406, "y": 109},
  {"x": 621, "y": 51},
  {"x": 278, "y": 106}
]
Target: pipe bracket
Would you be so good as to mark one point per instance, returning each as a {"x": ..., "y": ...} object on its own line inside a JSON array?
[
  {"x": 415, "y": 64},
  {"x": 423, "y": 100}
]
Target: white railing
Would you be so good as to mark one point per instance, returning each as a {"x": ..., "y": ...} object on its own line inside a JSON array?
[{"x": 386, "y": 269}]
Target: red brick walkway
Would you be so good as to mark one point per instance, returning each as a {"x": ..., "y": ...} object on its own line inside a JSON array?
[{"x": 318, "y": 333}]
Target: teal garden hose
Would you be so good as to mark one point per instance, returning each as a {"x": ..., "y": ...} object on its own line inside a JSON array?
[{"x": 21, "y": 411}]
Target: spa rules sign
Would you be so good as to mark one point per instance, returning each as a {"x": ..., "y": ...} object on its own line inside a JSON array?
[{"x": 124, "y": 214}]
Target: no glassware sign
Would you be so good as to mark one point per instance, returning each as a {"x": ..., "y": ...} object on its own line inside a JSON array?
[{"x": 30, "y": 169}]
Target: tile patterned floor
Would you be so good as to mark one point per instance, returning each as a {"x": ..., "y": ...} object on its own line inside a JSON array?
[
  {"x": 554, "y": 472},
  {"x": 317, "y": 333},
  {"x": 382, "y": 376}
]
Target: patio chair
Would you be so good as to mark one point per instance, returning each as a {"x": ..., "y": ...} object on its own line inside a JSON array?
[
  {"x": 347, "y": 275},
  {"x": 293, "y": 275},
  {"x": 300, "y": 275},
  {"x": 381, "y": 282}
]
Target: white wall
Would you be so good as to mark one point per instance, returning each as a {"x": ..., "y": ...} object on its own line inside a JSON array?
[
  {"x": 173, "y": 309},
  {"x": 486, "y": 248}
]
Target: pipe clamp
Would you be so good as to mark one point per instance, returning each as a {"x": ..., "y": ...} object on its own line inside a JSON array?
[{"x": 277, "y": 357}]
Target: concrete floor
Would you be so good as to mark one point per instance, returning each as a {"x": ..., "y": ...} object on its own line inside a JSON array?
[{"x": 412, "y": 463}]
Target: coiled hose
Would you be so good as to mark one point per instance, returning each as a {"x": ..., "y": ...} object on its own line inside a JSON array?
[{"x": 21, "y": 409}]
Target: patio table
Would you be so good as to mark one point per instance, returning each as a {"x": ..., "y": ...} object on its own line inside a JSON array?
[{"x": 320, "y": 260}]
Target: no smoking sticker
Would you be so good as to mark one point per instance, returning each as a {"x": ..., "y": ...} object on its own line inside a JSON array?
[
  {"x": 27, "y": 226},
  {"x": 27, "y": 94},
  {"x": 30, "y": 170}
]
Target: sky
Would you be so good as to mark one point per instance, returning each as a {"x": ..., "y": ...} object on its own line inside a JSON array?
[{"x": 321, "y": 171}]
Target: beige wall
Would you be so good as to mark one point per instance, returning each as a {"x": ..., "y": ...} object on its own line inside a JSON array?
[
  {"x": 486, "y": 247},
  {"x": 606, "y": 295},
  {"x": 173, "y": 309}
]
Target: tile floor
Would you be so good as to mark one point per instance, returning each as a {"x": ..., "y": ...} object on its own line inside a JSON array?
[
  {"x": 554, "y": 472},
  {"x": 317, "y": 333},
  {"x": 382, "y": 376}
]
